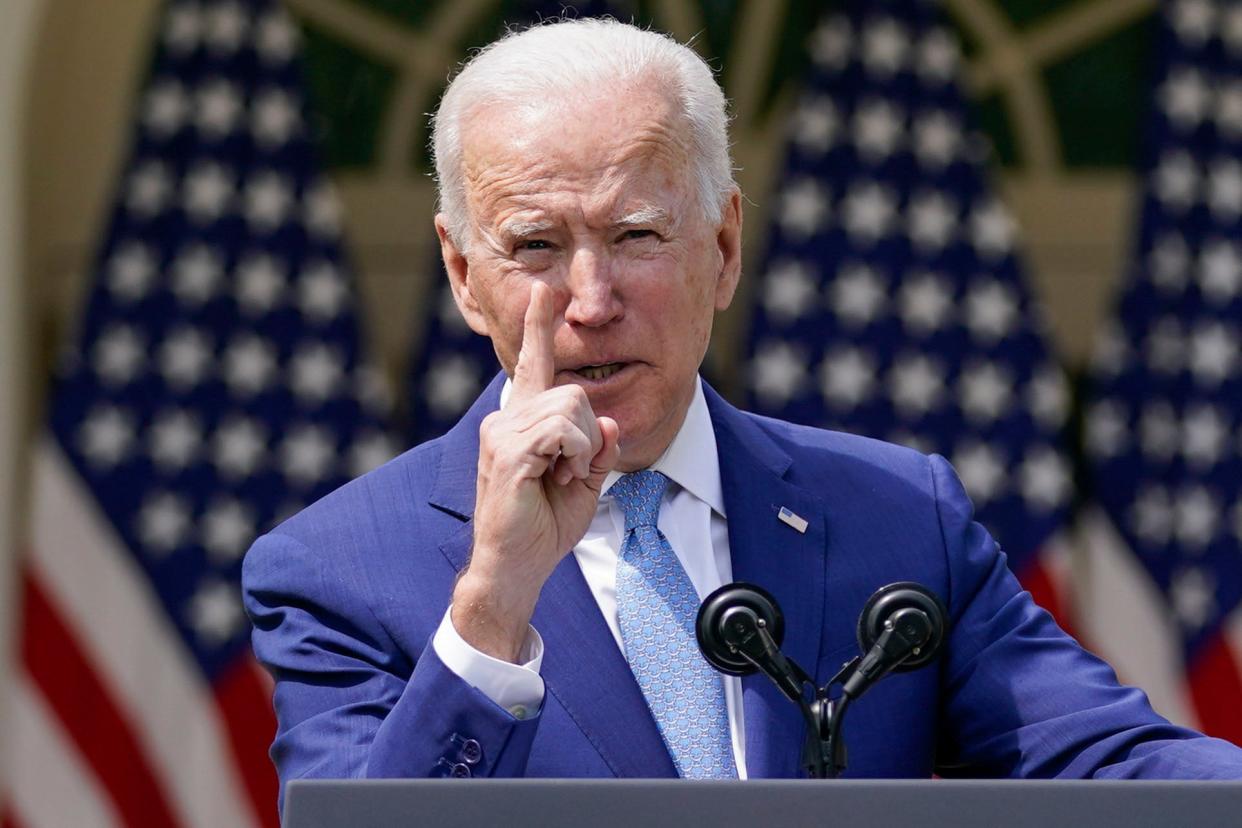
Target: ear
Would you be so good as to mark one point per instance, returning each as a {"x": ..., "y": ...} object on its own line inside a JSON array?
[
  {"x": 729, "y": 246},
  {"x": 458, "y": 269}
]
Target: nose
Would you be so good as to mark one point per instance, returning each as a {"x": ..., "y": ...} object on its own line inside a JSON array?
[{"x": 593, "y": 300}]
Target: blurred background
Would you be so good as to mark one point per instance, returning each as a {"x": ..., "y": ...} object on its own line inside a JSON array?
[{"x": 1003, "y": 230}]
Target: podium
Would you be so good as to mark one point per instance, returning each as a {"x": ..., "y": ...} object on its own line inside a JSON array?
[{"x": 673, "y": 803}]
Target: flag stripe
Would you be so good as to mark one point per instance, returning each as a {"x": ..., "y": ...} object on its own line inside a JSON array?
[
  {"x": 112, "y": 610},
  {"x": 88, "y": 712},
  {"x": 245, "y": 702},
  {"x": 48, "y": 782},
  {"x": 1216, "y": 687}
]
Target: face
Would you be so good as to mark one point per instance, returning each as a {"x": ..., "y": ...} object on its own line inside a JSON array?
[{"x": 596, "y": 199}]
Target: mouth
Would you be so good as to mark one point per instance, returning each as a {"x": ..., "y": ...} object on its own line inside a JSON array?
[{"x": 598, "y": 373}]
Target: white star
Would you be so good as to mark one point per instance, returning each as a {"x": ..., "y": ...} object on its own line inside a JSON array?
[
  {"x": 238, "y": 448},
  {"x": 207, "y": 191},
  {"x": 857, "y": 295},
  {"x": 911, "y": 440},
  {"x": 878, "y": 128},
  {"x": 1231, "y": 29},
  {"x": 1159, "y": 432},
  {"x": 1047, "y": 397},
  {"x": 1220, "y": 271},
  {"x": 1193, "y": 21},
  {"x": 306, "y": 454},
  {"x": 1185, "y": 97},
  {"x": 815, "y": 125},
  {"x": 227, "y": 528},
  {"x": 268, "y": 198},
  {"x": 260, "y": 283},
  {"x": 1193, "y": 590},
  {"x": 1204, "y": 433},
  {"x": 884, "y": 47},
  {"x": 937, "y": 57},
  {"x": 106, "y": 436},
  {"x": 371, "y": 389},
  {"x": 197, "y": 273},
  {"x": 274, "y": 117},
  {"x": 916, "y": 385},
  {"x": 131, "y": 268},
  {"x": 985, "y": 391},
  {"x": 164, "y": 108},
  {"x": 249, "y": 365},
  {"x": 1175, "y": 182},
  {"x": 315, "y": 373},
  {"x": 227, "y": 24},
  {"x": 1213, "y": 353},
  {"x": 1107, "y": 430},
  {"x": 831, "y": 44},
  {"x": 788, "y": 291},
  {"x": 276, "y": 39},
  {"x": 1224, "y": 183},
  {"x": 937, "y": 139},
  {"x": 869, "y": 210},
  {"x": 182, "y": 28},
  {"x": 846, "y": 377},
  {"x": 932, "y": 218},
  {"x": 215, "y": 612},
  {"x": 1044, "y": 479},
  {"x": 1151, "y": 515},
  {"x": 175, "y": 437},
  {"x": 803, "y": 207},
  {"x": 147, "y": 189},
  {"x": 163, "y": 522},
  {"x": 369, "y": 451},
  {"x": 1228, "y": 112},
  {"x": 1165, "y": 346},
  {"x": 217, "y": 106},
  {"x": 1169, "y": 261},
  {"x": 452, "y": 382},
  {"x": 119, "y": 355},
  {"x": 322, "y": 211},
  {"x": 184, "y": 358},
  {"x": 777, "y": 372},
  {"x": 991, "y": 311},
  {"x": 992, "y": 231},
  {"x": 981, "y": 469},
  {"x": 925, "y": 300},
  {"x": 322, "y": 292}
]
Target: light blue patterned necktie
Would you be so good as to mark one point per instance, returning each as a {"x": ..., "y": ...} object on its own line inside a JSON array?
[{"x": 656, "y": 610}]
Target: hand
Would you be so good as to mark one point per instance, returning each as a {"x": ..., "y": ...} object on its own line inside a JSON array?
[{"x": 542, "y": 463}]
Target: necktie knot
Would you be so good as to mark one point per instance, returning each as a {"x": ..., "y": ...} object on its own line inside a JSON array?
[{"x": 639, "y": 494}]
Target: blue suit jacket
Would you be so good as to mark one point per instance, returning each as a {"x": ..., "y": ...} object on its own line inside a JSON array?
[{"x": 346, "y": 596}]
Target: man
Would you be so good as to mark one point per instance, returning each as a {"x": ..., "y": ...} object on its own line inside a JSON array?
[{"x": 517, "y": 596}]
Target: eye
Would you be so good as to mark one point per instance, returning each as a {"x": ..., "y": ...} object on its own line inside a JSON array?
[
  {"x": 637, "y": 234},
  {"x": 533, "y": 244}
]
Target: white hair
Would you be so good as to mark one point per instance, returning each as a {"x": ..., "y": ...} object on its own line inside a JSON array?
[{"x": 549, "y": 61}]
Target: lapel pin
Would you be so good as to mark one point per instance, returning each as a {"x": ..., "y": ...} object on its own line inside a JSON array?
[{"x": 793, "y": 520}]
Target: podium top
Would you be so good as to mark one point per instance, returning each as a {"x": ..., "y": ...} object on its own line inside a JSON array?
[{"x": 561, "y": 803}]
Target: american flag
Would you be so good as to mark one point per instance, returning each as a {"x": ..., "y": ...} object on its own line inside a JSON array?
[
  {"x": 890, "y": 302},
  {"x": 1166, "y": 404},
  {"x": 215, "y": 384},
  {"x": 450, "y": 363}
]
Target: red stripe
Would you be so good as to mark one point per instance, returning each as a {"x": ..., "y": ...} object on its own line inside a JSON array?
[
  {"x": 1216, "y": 688},
  {"x": 245, "y": 701},
  {"x": 89, "y": 714},
  {"x": 8, "y": 819},
  {"x": 1037, "y": 580}
]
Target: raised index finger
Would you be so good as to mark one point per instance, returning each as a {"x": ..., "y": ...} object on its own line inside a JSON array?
[{"x": 535, "y": 366}]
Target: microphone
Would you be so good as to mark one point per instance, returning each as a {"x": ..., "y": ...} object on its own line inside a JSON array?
[
  {"x": 901, "y": 628},
  {"x": 740, "y": 629}
]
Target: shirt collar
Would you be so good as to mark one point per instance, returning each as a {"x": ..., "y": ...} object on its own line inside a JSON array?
[{"x": 690, "y": 460}]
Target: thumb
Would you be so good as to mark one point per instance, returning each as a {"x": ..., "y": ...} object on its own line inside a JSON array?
[{"x": 609, "y": 454}]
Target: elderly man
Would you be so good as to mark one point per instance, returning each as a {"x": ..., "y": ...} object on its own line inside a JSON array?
[{"x": 518, "y": 596}]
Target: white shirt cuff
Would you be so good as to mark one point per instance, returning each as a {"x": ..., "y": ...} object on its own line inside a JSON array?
[{"x": 517, "y": 688}]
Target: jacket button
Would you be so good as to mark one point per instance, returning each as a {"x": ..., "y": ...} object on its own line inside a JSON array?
[
  {"x": 471, "y": 752},
  {"x": 460, "y": 771}
]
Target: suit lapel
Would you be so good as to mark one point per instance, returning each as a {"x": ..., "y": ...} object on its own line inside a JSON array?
[
  {"x": 787, "y": 563},
  {"x": 582, "y": 666}
]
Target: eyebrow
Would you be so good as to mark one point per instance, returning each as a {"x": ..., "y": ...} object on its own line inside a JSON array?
[
  {"x": 644, "y": 215},
  {"x": 522, "y": 229}
]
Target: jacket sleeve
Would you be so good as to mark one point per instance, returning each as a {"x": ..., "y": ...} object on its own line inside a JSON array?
[
  {"x": 1023, "y": 699},
  {"x": 349, "y": 702}
]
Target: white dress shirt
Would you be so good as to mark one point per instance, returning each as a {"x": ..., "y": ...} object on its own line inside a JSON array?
[{"x": 692, "y": 517}]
